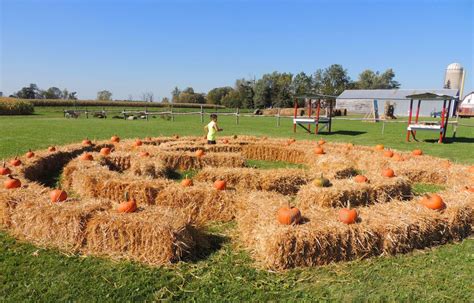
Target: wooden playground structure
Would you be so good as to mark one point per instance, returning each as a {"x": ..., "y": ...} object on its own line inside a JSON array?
[{"x": 313, "y": 103}]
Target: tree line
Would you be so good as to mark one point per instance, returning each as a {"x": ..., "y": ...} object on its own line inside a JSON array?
[
  {"x": 278, "y": 89},
  {"x": 271, "y": 90}
]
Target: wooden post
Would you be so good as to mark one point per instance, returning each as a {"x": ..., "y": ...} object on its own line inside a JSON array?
[
  {"x": 146, "y": 113},
  {"x": 330, "y": 116},
  {"x": 87, "y": 114},
  {"x": 410, "y": 112},
  {"x": 417, "y": 114},
  {"x": 296, "y": 111},
  {"x": 202, "y": 114},
  {"x": 443, "y": 113},
  {"x": 237, "y": 115},
  {"x": 124, "y": 115},
  {"x": 309, "y": 114},
  {"x": 447, "y": 118},
  {"x": 171, "y": 111},
  {"x": 318, "y": 109},
  {"x": 278, "y": 118}
]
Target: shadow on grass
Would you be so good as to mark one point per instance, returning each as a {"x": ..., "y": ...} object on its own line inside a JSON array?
[
  {"x": 452, "y": 140},
  {"x": 207, "y": 245},
  {"x": 346, "y": 133}
]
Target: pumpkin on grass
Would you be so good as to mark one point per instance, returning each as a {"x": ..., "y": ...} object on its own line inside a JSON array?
[
  {"x": 433, "y": 201},
  {"x": 4, "y": 170},
  {"x": 129, "y": 206},
  {"x": 58, "y": 195},
  {"x": 12, "y": 183},
  {"x": 15, "y": 162},
  {"x": 388, "y": 173},
  {"x": 361, "y": 179},
  {"x": 220, "y": 185},
  {"x": 288, "y": 215},
  {"x": 30, "y": 154},
  {"x": 347, "y": 215},
  {"x": 115, "y": 139}
]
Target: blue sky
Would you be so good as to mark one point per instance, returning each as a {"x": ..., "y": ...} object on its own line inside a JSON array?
[{"x": 130, "y": 47}]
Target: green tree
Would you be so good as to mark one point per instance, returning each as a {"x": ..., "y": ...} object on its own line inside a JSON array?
[
  {"x": 53, "y": 93},
  {"x": 331, "y": 81},
  {"x": 215, "y": 95},
  {"x": 302, "y": 84},
  {"x": 29, "y": 92},
  {"x": 369, "y": 79},
  {"x": 104, "y": 95},
  {"x": 175, "y": 94},
  {"x": 246, "y": 92},
  {"x": 274, "y": 90},
  {"x": 263, "y": 92},
  {"x": 233, "y": 99}
]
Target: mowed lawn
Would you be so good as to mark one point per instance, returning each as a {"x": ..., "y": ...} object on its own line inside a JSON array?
[{"x": 29, "y": 273}]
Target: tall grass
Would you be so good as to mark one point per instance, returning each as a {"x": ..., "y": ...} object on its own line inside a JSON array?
[{"x": 16, "y": 107}]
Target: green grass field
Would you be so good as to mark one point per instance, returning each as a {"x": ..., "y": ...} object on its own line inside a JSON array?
[{"x": 29, "y": 273}]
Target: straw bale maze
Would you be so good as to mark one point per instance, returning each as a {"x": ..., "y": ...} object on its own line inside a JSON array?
[{"x": 171, "y": 219}]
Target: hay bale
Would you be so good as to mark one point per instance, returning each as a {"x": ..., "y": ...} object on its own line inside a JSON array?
[
  {"x": 400, "y": 228},
  {"x": 269, "y": 152},
  {"x": 187, "y": 160},
  {"x": 342, "y": 192},
  {"x": 154, "y": 235},
  {"x": 201, "y": 202},
  {"x": 59, "y": 225}
]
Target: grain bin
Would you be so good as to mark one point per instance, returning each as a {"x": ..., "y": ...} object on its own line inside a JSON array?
[{"x": 453, "y": 76}]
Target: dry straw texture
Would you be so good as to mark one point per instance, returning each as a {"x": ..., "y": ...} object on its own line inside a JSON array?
[{"x": 400, "y": 228}]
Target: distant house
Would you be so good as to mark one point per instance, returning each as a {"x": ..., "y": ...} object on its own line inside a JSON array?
[{"x": 362, "y": 101}]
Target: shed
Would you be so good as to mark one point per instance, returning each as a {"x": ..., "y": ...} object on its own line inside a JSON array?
[{"x": 362, "y": 101}]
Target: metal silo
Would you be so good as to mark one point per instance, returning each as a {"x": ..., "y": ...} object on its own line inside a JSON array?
[{"x": 453, "y": 78}]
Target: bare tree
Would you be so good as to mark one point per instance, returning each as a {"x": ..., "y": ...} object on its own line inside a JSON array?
[{"x": 147, "y": 96}]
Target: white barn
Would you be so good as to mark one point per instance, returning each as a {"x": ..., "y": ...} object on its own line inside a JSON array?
[{"x": 361, "y": 101}]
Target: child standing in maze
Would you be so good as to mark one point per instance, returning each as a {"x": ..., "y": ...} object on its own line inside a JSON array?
[{"x": 212, "y": 128}]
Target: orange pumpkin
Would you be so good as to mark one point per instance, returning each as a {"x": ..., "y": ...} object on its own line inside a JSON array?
[
  {"x": 58, "y": 195},
  {"x": 225, "y": 141},
  {"x": 86, "y": 157},
  {"x": 321, "y": 142},
  {"x": 15, "y": 162},
  {"x": 379, "y": 147},
  {"x": 105, "y": 151},
  {"x": 350, "y": 145},
  {"x": 446, "y": 164},
  {"x": 398, "y": 157},
  {"x": 347, "y": 215},
  {"x": 199, "y": 153},
  {"x": 388, "y": 173},
  {"x": 186, "y": 182},
  {"x": 288, "y": 215},
  {"x": 471, "y": 169},
  {"x": 86, "y": 142},
  {"x": 4, "y": 170},
  {"x": 469, "y": 189},
  {"x": 12, "y": 183},
  {"x": 30, "y": 154},
  {"x": 220, "y": 185},
  {"x": 319, "y": 151},
  {"x": 144, "y": 154},
  {"x": 137, "y": 142},
  {"x": 115, "y": 139},
  {"x": 52, "y": 149},
  {"x": 388, "y": 153},
  {"x": 129, "y": 206},
  {"x": 176, "y": 136},
  {"x": 433, "y": 201},
  {"x": 361, "y": 179},
  {"x": 417, "y": 152}
]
